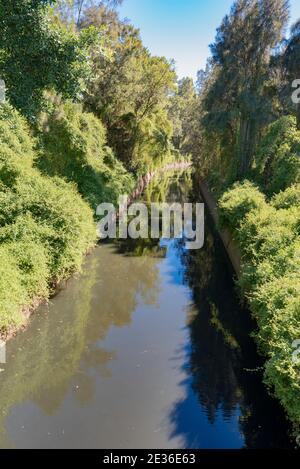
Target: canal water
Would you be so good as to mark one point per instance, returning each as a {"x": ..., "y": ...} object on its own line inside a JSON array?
[{"x": 148, "y": 348}]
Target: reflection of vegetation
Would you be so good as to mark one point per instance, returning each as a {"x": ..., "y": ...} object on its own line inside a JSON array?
[
  {"x": 267, "y": 232},
  {"x": 42, "y": 370},
  {"x": 221, "y": 352},
  {"x": 215, "y": 321},
  {"x": 141, "y": 247},
  {"x": 213, "y": 362},
  {"x": 173, "y": 187}
]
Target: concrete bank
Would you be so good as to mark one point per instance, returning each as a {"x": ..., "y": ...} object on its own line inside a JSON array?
[{"x": 230, "y": 245}]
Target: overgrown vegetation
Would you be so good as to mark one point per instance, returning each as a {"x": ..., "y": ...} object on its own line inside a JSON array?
[
  {"x": 90, "y": 109},
  {"x": 244, "y": 137},
  {"x": 86, "y": 115},
  {"x": 268, "y": 235},
  {"x": 45, "y": 226},
  {"x": 73, "y": 146}
]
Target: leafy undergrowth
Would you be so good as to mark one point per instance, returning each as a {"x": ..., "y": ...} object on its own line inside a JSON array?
[
  {"x": 268, "y": 235},
  {"x": 73, "y": 147},
  {"x": 45, "y": 226}
]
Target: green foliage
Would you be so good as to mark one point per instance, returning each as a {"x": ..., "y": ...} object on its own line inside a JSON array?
[
  {"x": 236, "y": 203},
  {"x": 277, "y": 307},
  {"x": 288, "y": 198},
  {"x": 46, "y": 56},
  {"x": 182, "y": 110},
  {"x": 45, "y": 226},
  {"x": 278, "y": 157},
  {"x": 153, "y": 146},
  {"x": 36, "y": 54},
  {"x": 74, "y": 11},
  {"x": 12, "y": 293},
  {"x": 250, "y": 129},
  {"x": 268, "y": 235},
  {"x": 130, "y": 88},
  {"x": 74, "y": 147},
  {"x": 66, "y": 221},
  {"x": 265, "y": 230},
  {"x": 16, "y": 141},
  {"x": 32, "y": 259},
  {"x": 241, "y": 85}
]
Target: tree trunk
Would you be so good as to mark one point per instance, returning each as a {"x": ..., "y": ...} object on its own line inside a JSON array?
[{"x": 247, "y": 142}]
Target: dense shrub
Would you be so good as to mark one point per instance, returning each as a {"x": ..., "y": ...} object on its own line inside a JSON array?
[
  {"x": 12, "y": 293},
  {"x": 31, "y": 257},
  {"x": 278, "y": 157},
  {"x": 74, "y": 147},
  {"x": 58, "y": 216},
  {"x": 276, "y": 306},
  {"x": 268, "y": 235},
  {"x": 45, "y": 226},
  {"x": 236, "y": 203},
  {"x": 263, "y": 232},
  {"x": 288, "y": 198}
]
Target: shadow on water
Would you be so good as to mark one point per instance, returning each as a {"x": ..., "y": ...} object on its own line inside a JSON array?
[
  {"x": 63, "y": 342},
  {"x": 224, "y": 372},
  {"x": 101, "y": 361},
  {"x": 226, "y": 404}
]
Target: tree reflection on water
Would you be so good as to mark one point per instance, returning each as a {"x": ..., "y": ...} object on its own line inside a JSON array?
[{"x": 223, "y": 369}]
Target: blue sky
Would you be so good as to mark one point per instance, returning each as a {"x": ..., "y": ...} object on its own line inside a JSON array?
[{"x": 182, "y": 29}]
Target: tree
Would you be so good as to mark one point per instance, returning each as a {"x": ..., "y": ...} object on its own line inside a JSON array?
[
  {"x": 72, "y": 11},
  {"x": 241, "y": 57},
  {"x": 181, "y": 111},
  {"x": 289, "y": 61},
  {"x": 129, "y": 86},
  {"x": 36, "y": 54}
]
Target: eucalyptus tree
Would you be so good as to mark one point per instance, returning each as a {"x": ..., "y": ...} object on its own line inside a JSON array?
[
  {"x": 289, "y": 61},
  {"x": 237, "y": 104},
  {"x": 181, "y": 111},
  {"x": 72, "y": 11}
]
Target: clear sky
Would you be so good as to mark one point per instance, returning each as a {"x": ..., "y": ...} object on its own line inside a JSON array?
[{"x": 182, "y": 29}]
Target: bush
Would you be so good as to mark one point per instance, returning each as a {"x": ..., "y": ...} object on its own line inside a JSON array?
[
  {"x": 58, "y": 216},
  {"x": 256, "y": 272},
  {"x": 73, "y": 146},
  {"x": 268, "y": 236},
  {"x": 12, "y": 293},
  {"x": 263, "y": 232},
  {"x": 45, "y": 226},
  {"x": 237, "y": 202},
  {"x": 276, "y": 306},
  {"x": 278, "y": 158},
  {"x": 288, "y": 198}
]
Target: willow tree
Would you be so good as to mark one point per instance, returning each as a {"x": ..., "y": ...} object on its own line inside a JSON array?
[{"x": 237, "y": 103}]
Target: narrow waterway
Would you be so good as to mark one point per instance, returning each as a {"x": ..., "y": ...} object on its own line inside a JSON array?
[{"x": 147, "y": 351}]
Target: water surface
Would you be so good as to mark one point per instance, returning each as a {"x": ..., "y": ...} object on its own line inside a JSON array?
[{"x": 140, "y": 352}]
